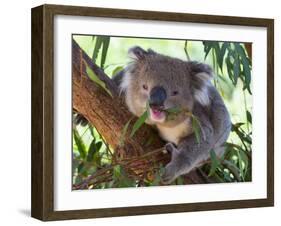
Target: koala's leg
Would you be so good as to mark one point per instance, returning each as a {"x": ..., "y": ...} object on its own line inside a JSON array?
[{"x": 189, "y": 152}]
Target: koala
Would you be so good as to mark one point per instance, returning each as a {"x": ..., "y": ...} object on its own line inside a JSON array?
[{"x": 160, "y": 82}]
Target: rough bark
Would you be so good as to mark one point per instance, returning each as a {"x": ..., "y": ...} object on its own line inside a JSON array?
[{"x": 109, "y": 115}]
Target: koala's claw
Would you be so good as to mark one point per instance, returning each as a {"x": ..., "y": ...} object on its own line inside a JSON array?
[
  {"x": 170, "y": 147},
  {"x": 169, "y": 175},
  {"x": 166, "y": 179}
]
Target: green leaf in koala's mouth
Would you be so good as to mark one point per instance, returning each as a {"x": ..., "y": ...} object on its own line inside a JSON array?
[{"x": 174, "y": 110}]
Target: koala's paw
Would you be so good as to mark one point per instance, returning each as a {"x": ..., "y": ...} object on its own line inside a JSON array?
[
  {"x": 170, "y": 148},
  {"x": 169, "y": 175}
]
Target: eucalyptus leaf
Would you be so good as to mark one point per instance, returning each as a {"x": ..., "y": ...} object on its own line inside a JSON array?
[
  {"x": 245, "y": 159},
  {"x": 240, "y": 164},
  {"x": 246, "y": 63},
  {"x": 219, "y": 54},
  {"x": 117, "y": 70},
  {"x": 80, "y": 167},
  {"x": 196, "y": 128},
  {"x": 214, "y": 163},
  {"x": 174, "y": 110},
  {"x": 233, "y": 169},
  {"x": 236, "y": 69},
  {"x": 223, "y": 49},
  {"x": 139, "y": 123},
  {"x": 229, "y": 68},
  {"x": 105, "y": 47},
  {"x": 180, "y": 180},
  {"x": 116, "y": 172},
  {"x": 249, "y": 116},
  {"x": 91, "y": 128},
  {"x": 99, "y": 41},
  {"x": 91, "y": 151},
  {"x": 80, "y": 144},
  {"x": 149, "y": 141},
  {"x": 207, "y": 48},
  {"x": 124, "y": 132},
  {"x": 97, "y": 80},
  {"x": 247, "y": 74}
]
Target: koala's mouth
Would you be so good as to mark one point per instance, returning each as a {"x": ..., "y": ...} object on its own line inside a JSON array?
[{"x": 157, "y": 114}]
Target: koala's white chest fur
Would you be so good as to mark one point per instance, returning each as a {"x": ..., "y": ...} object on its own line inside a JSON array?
[{"x": 174, "y": 134}]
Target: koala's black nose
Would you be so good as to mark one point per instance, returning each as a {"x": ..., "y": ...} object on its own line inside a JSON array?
[{"x": 157, "y": 96}]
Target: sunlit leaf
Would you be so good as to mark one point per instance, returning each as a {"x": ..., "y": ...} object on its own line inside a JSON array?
[
  {"x": 233, "y": 169},
  {"x": 139, "y": 123},
  {"x": 117, "y": 172},
  {"x": 226, "y": 175},
  {"x": 117, "y": 70},
  {"x": 234, "y": 146},
  {"x": 120, "y": 175},
  {"x": 80, "y": 144},
  {"x": 97, "y": 80}
]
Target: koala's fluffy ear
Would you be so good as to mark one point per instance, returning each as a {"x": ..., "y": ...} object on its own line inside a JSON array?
[
  {"x": 137, "y": 53},
  {"x": 201, "y": 74}
]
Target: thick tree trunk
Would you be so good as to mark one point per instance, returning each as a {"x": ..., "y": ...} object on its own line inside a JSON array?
[{"x": 109, "y": 115}]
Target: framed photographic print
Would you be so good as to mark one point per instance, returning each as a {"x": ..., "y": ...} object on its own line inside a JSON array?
[{"x": 141, "y": 112}]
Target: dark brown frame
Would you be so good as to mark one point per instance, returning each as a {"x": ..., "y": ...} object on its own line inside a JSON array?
[{"x": 42, "y": 203}]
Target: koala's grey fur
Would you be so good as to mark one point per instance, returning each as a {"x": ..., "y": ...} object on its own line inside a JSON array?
[{"x": 195, "y": 92}]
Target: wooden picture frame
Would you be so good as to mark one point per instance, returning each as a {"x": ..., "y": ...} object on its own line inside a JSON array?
[{"x": 42, "y": 203}]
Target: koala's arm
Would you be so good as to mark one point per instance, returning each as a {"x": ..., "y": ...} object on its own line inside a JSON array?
[{"x": 215, "y": 127}]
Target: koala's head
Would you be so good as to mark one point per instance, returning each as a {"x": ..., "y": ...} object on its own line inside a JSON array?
[{"x": 159, "y": 82}]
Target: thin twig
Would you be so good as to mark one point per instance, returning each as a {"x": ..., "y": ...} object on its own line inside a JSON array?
[{"x": 186, "y": 51}]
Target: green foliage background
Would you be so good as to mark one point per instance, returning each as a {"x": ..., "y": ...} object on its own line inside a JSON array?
[{"x": 232, "y": 67}]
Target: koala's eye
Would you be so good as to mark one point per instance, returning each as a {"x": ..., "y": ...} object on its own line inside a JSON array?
[
  {"x": 174, "y": 93},
  {"x": 145, "y": 87}
]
